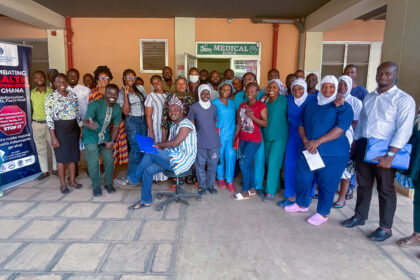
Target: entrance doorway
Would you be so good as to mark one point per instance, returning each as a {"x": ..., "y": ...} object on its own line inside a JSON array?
[{"x": 218, "y": 64}]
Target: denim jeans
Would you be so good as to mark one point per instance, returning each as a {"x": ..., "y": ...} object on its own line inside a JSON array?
[
  {"x": 149, "y": 165},
  {"x": 134, "y": 125},
  {"x": 209, "y": 157},
  {"x": 248, "y": 149}
]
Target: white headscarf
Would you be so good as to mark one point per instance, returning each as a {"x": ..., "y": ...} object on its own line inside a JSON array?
[
  {"x": 203, "y": 104},
  {"x": 322, "y": 100},
  {"x": 282, "y": 88},
  {"x": 349, "y": 83},
  {"x": 300, "y": 82}
]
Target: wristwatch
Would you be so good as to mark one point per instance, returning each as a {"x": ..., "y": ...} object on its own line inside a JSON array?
[{"x": 390, "y": 154}]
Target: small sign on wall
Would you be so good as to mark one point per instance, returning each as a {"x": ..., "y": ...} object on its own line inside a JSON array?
[{"x": 212, "y": 48}]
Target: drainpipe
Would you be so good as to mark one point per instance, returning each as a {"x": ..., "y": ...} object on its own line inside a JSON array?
[
  {"x": 275, "y": 41},
  {"x": 298, "y": 23},
  {"x": 69, "y": 35}
]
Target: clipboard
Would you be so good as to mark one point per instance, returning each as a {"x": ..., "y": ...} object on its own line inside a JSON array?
[
  {"x": 377, "y": 147},
  {"x": 145, "y": 144}
]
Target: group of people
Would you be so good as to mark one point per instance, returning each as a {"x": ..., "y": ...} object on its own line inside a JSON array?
[{"x": 218, "y": 126}]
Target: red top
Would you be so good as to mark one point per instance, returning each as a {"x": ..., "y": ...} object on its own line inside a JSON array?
[{"x": 250, "y": 130}]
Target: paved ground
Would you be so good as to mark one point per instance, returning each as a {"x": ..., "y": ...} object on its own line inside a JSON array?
[{"x": 47, "y": 235}]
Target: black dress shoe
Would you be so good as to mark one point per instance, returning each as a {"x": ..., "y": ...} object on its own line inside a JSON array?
[
  {"x": 109, "y": 188},
  {"x": 380, "y": 235},
  {"x": 201, "y": 191},
  {"x": 43, "y": 176},
  {"x": 349, "y": 194},
  {"x": 352, "y": 222},
  {"x": 97, "y": 192},
  {"x": 212, "y": 190}
]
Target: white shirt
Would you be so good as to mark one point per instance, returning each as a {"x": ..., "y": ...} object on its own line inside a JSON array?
[
  {"x": 82, "y": 94},
  {"x": 387, "y": 116},
  {"x": 214, "y": 93},
  {"x": 356, "y": 105}
]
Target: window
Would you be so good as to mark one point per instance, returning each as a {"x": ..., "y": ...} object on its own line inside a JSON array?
[
  {"x": 153, "y": 55},
  {"x": 336, "y": 55}
]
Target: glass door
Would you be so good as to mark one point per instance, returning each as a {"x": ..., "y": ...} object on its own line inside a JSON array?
[
  {"x": 242, "y": 66},
  {"x": 190, "y": 61}
]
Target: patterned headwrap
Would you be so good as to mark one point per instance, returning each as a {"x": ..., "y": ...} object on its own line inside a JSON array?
[{"x": 175, "y": 101}]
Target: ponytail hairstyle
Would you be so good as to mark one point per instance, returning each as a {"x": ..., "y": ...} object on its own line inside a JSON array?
[{"x": 136, "y": 90}]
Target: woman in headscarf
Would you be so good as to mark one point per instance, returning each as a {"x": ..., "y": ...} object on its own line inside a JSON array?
[
  {"x": 204, "y": 115},
  {"x": 344, "y": 89},
  {"x": 226, "y": 116},
  {"x": 296, "y": 102},
  {"x": 322, "y": 129},
  {"x": 154, "y": 110},
  {"x": 186, "y": 97},
  {"x": 275, "y": 136}
]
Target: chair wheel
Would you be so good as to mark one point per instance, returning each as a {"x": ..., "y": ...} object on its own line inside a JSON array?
[
  {"x": 159, "y": 196},
  {"x": 159, "y": 208}
]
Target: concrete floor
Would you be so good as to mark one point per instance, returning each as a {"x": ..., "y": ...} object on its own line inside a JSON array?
[
  {"x": 226, "y": 239},
  {"x": 47, "y": 235}
]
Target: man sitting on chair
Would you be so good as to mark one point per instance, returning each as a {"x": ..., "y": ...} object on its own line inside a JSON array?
[{"x": 176, "y": 155}]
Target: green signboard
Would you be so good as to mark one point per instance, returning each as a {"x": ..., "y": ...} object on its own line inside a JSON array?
[{"x": 228, "y": 49}]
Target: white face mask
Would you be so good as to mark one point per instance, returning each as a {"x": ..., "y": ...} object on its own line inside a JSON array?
[{"x": 193, "y": 78}]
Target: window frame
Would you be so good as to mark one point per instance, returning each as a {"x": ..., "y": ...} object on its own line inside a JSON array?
[
  {"x": 375, "y": 51},
  {"x": 141, "y": 55}
]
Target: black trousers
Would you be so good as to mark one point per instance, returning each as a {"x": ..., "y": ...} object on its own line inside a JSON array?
[{"x": 366, "y": 174}]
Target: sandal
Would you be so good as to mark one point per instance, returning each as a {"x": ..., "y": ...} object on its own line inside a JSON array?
[
  {"x": 252, "y": 192},
  {"x": 139, "y": 205},
  {"x": 337, "y": 205},
  {"x": 409, "y": 241},
  {"x": 241, "y": 196},
  {"x": 123, "y": 182},
  {"x": 77, "y": 186},
  {"x": 65, "y": 191}
]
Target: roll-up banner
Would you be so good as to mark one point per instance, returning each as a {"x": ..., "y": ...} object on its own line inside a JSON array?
[{"x": 18, "y": 157}]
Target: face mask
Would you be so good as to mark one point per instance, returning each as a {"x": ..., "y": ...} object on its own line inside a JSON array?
[{"x": 193, "y": 78}]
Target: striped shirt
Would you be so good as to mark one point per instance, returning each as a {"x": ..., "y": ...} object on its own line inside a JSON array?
[
  {"x": 183, "y": 156},
  {"x": 136, "y": 104}
]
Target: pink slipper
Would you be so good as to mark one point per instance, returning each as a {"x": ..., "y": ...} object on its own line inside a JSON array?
[
  {"x": 317, "y": 219},
  {"x": 295, "y": 208}
]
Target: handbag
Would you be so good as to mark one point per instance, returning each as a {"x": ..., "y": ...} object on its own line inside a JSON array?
[{"x": 377, "y": 147}]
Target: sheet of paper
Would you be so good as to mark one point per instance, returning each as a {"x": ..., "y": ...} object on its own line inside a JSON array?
[{"x": 314, "y": 160}]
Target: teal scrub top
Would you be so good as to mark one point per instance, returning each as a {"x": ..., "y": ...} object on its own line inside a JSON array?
[
  {"x": 240, "y": 98},
  {"x": 277, "y": 126}
]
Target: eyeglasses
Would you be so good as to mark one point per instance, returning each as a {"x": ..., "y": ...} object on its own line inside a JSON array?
[
  {"x": 130, "y": 77},
  {"x": 103, "y": 78}
]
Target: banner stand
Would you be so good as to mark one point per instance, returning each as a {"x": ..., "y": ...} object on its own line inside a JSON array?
[{"x": 18, "y": 157}]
